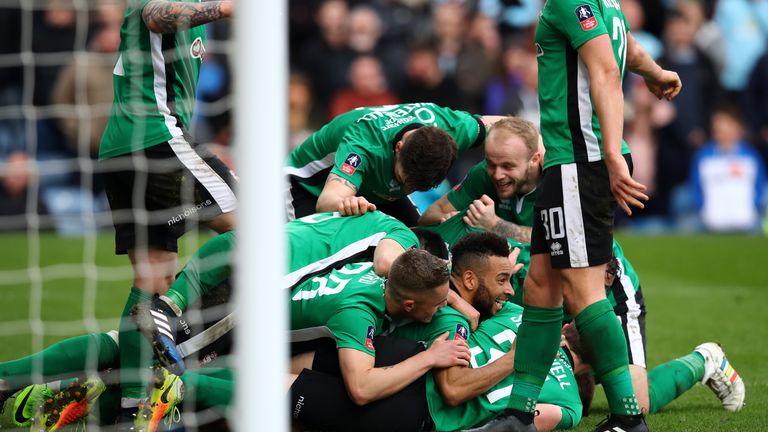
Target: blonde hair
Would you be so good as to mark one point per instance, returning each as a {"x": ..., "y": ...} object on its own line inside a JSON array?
[{"x": 519, "y": 127}]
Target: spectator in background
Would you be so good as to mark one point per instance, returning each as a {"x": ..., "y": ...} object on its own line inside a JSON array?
[
  {"x": 708, "y": 37},
  {"x": 54, "y": 31},
  {"x": 449, "y": 23},
  {"x": 515, "y": 92},
  {"x": 365, "y": 31},
  {"x": 728, "y": 177},
  {"x": 687, "y": 124},
  {"x": 755, "y": 102},
  {"x": 328, "y": 57},
  {"x": 302, "y": 114},
  {"x": 367, "y": 87},
  {"x": 85, "y": 86},
  {"x": 514, "y": 16},
  {"x": 427, "y": 82},
  {"x": 13, "y": 143},
  {"x": 633, "y": 11},
  {"x": 744, "y": 26},
  {"x": 478, "y": 60}
]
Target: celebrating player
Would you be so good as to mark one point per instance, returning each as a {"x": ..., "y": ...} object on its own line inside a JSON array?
[
  {"x": 373, "y": 157},
  {"x": 159, "y": 183},
  {"x": 582, "y": 49},
  {"x": 499, "y": 192}
]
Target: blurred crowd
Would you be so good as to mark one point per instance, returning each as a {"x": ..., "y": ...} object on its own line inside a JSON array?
[{"x": 702, "y": 155}]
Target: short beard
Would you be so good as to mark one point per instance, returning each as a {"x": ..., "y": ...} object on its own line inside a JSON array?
[{"x": 483, "y": 301}]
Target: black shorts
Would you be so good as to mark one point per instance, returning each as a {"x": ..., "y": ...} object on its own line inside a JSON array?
[
  {"x": 159, "y": 193},
  {"x": 573, "y": 215},
  {"x": 630, "y": 309},
  {"x": 319, "y": 399}
]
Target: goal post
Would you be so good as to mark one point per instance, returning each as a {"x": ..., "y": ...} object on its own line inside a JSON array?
[{"x": 260, "y": 67}]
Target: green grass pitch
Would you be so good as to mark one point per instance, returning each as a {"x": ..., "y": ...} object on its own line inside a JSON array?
[{"x": 697, "y": 289}]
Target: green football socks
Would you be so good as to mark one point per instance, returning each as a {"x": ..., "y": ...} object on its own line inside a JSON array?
[
  {"x": 670, "y": 380},
  {"x": 135, "y": 351},
  {"x": 211, "y": 387},
  {"x": 537, "y": 344},
  {"x": 606, "y": 350},
  {"x": 97, "y": 351}
]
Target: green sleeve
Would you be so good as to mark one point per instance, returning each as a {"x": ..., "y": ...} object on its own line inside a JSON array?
[
  {"x": 401, "y": 234},
  {"x": 446, "y": 319},
  {"x": 210, "y": 266},
  {"x": 354, "y": 327},
  {"x": 351, "y": 163},
  {"x": 475, "y": 184},
  {"x": 579, "y": 20}
]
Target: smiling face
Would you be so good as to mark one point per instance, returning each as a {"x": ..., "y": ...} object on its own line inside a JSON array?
[
  {"x": 509, "y": 164},
  {"x": 494, "y": 287}
]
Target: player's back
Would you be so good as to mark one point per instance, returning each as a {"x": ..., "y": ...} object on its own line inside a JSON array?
[
  {"x": 321, "y": 298},
  {"x": 323, "y": 241}
]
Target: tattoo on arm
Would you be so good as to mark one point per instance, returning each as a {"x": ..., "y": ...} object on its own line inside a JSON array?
[
  {"x": 513, "y": 231},
  {"x": 163, "y": 16},
  {"x": 345, "y": 182}
]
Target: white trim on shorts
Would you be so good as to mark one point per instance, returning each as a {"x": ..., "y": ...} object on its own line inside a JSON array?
[
  {"x": 207, "y": 176},
  {"x": 632, "y": 327},
  {"x": 574, "y": 220},
  {"x": 306, "y": 171}
]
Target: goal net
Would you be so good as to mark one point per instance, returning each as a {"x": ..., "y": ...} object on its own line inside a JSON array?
[{"x": 62, "y": 288}]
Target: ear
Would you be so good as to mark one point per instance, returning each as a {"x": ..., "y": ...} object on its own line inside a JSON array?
[
  {"x": 536, "y": 158},
  {"x": 469, "y": 278},
  {"x": 399, "y": 146},
  {"x": 408, "y": 305}
]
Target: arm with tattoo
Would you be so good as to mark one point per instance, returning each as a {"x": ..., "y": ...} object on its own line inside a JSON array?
[
  {"x": 163, "y": 16},
  {"x": 334, "y": 178},
  {"x": 513, "y": 231}
]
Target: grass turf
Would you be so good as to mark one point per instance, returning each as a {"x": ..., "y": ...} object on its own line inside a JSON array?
[{"x": 697, "y": 289}]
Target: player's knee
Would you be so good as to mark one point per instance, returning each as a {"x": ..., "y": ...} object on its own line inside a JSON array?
[{"x": 223, "y": 223}]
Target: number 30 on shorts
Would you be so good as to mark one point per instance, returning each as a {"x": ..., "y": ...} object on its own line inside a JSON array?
[{"x": 554, "y": 225}]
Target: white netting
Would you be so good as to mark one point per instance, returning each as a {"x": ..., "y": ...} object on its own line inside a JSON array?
[{"x": 59, "y": 276}]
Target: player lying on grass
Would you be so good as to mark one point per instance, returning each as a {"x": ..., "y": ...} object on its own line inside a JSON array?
[
  {"x": 706, "y": 364},
  {"x": 497, "y": 194},
  {"x": 623, "y": 291},
  {"x": 70, "y": 356},
  {"x": 76, "y": 369}
]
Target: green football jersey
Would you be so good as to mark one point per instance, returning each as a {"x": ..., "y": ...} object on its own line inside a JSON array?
[
  {"x": 518, "y": 209},
  {"x": 569, "y": 123},
  {"x": 492, "y": 339},
  {"x": 359, "y": 146},
  {"x": 452, "y": 229},
  {"x": 347, "y": 302},
  {"x": 322, "y": 241},
  {"x": 446, "y": 319},
  {"x": 155, "y": 80}
]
